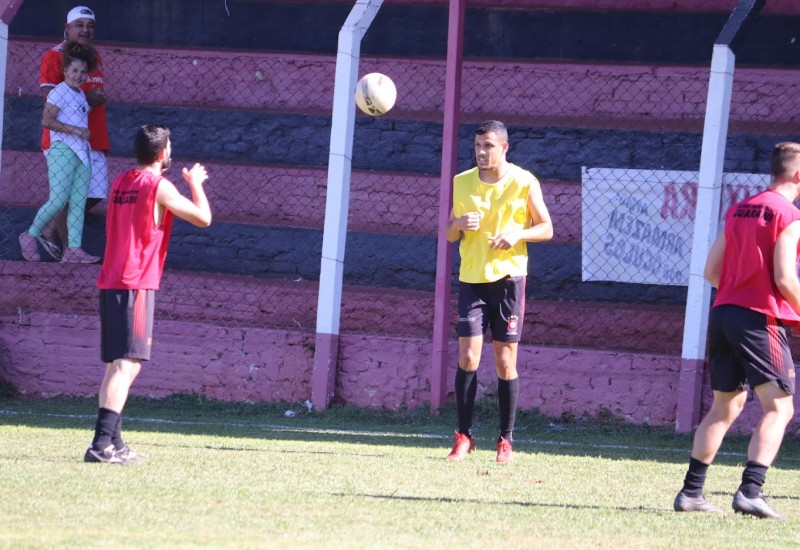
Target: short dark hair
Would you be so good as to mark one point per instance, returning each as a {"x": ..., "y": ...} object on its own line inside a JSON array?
[
  {"x": 492, "y": 126},
  {"x": 75, "y": 50},
  {"x": 784, "y": 158},
  {"x": 150, "y": 140}
]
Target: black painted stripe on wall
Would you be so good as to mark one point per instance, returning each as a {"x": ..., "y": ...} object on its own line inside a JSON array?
[
  {"x": 376, "y": 260},
  {"x": 260, "y": 138},
  {"x": 615, "y": 36}
]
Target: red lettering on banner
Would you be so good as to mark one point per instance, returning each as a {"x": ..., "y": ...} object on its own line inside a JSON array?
[{"x": 679, "y": 201}]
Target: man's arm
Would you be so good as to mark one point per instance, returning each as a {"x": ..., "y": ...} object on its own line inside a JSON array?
[
  {"x": 541, "y": 228},
  {"x": 196, "y": 211},
  {"x": 95, "y": 97},
  {"x": 713, "y": 267},
  {"x": 785, "y": 264},
  {"x": 471, "y": 221},
  {"x": 452, "y": 233}
]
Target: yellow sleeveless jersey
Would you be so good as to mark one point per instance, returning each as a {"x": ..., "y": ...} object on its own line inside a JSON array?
[{"x": 503, "y": 206}]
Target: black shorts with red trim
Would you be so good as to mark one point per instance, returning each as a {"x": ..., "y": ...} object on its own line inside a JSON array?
[
  {"x": 126, "y": 324},
  {"x": 747, "y": 349},
  {"x": 499, "y": 305}
]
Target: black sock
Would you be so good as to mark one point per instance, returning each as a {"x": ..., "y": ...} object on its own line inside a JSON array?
[
  {"x": 104, "y": 429},
  {"x": 116, "y": 438},
  {"x": 753, "y": 479},
  {"x": 695, "y": 478},
  {"x": 507, "y": 395},
  {"x": 466, "y": 388}
]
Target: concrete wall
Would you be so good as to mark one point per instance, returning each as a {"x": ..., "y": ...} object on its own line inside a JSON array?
[
  {"x": 606, "y": 347},
  {"x": 389, "y": 372},
  {"x": 47, "y": 354}
]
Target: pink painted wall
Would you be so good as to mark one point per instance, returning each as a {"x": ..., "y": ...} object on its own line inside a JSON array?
[
  {"x": 270, "y": 365},
  {"x": 672, "y": 96},
  {"x": 47, "y": 354},
  {"x": 69, "y": 289}
]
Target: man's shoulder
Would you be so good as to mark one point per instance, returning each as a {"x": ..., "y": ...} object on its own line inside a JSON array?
[
  {"x": 466, "y": 173},
  {"x": 53, "y": 55},
  {"x": 521, "y": 174}
]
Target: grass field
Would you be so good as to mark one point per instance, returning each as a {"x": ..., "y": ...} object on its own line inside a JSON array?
[{"x": 247, "y": 476}]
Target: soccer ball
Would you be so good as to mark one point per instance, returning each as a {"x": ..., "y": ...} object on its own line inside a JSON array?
[{"x": 375, "y": 94}]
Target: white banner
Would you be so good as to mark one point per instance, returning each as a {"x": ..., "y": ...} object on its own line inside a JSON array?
[{"x": 638, "y": 224}]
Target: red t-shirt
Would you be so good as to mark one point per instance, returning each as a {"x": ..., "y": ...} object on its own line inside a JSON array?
[
  {"x": 51, "y": 73},
  {"x": 136, "y": 247},
  {"x": 747, "y": 279}
]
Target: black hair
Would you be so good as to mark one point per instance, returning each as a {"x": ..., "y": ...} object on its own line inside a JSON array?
[
  {"x": 492, "y": 126},
  {"x": 149, "y": 141}
]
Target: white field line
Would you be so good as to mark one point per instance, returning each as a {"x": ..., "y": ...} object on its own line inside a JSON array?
[{"x": 331, "y": 431}]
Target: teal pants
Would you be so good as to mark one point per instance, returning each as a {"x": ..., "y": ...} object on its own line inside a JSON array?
[{"x": 69, "y": 185}]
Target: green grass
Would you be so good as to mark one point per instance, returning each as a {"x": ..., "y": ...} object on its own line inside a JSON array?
[{"x": 246, "y": 476}]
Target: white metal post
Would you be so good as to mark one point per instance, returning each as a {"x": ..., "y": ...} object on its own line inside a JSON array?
[
  {"x": 698, "y": 297},
  {"x": 329, "y": 302}
]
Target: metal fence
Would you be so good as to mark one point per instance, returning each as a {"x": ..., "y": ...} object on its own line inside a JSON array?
[{"x": 616, "y": 148}]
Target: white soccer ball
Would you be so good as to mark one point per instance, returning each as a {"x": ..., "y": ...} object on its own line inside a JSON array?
[{"x": 375, "y": 94}]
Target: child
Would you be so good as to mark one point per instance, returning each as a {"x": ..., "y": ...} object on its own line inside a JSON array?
[{"x": 66, "y": 114}]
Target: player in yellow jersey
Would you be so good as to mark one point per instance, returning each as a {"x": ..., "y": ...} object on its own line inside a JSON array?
[{"x": 498, "y": 208}]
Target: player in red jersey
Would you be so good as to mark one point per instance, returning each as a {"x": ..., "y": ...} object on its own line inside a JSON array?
[
  {"x": 753, "y": 265},
  {"x": 141, "y": 210}
]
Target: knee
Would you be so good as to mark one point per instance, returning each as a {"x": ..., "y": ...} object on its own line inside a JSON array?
[
  {"x": 729, "y": 410},
  {"x": 129, "y": 369},
  {"x": 469, "y": 361},
  {"x": 785, "y": 409}
]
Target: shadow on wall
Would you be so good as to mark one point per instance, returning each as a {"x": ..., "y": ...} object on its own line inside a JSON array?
[{"x": 7, "y": 389}]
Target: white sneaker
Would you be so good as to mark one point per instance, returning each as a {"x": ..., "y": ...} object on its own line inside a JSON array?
[{"x": 78, "y": 256}]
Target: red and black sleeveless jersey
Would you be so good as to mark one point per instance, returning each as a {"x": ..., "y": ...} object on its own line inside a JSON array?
[
  {"x": 752, "y": 227},
  {"x": 136, "y": 247}
]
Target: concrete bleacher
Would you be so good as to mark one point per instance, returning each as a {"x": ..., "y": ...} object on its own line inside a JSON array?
[{"x": 579, "y": 111}]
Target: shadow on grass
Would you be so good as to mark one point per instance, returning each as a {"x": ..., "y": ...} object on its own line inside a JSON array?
[
  {"x": 487, "y": 502},
  {"x": 601, "y": 436}
]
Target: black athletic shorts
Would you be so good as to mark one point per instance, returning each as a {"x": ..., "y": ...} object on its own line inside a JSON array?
[
  {"x": 499, "y": 305},
  {"x": 126, "y": 324},
  {"x": 747, "y": 348}
]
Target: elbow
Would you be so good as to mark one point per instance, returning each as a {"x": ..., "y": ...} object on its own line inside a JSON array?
[
  {"x": 546, "y": 231},
  {"x": 202, "y": 221},
  {"x": 204, "y": 218},
  {"x": 787, "y": 286},
  {"x": 452, "y": 234},
  {"x": 711, "y": 276}
]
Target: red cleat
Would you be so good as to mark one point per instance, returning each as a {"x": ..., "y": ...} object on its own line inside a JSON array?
[
  {"x": 462, "y": 446},
  {"x": 504, "y": 450}
]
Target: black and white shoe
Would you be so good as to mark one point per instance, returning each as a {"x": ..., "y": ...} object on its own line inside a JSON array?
[
  {"x": 684, "y": 503},
  {"x": 756, "y": 506},
  {"x": 50, "y": 247},
  {"x": 109, "y": 455},
  {"x": 126, "y": 453}
]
